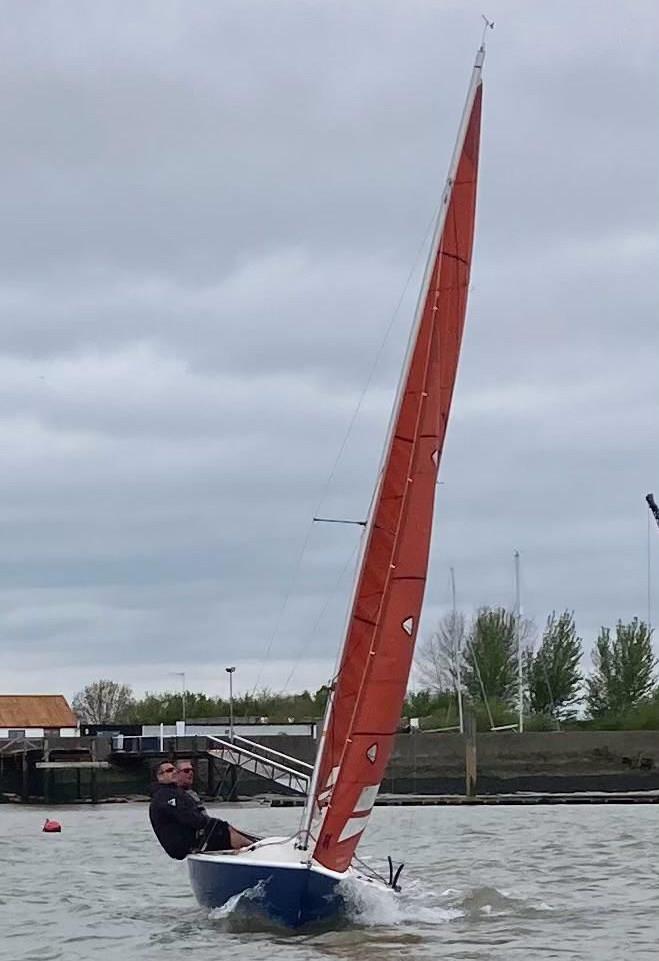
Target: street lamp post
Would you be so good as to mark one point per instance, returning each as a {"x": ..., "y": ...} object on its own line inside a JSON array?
[
  {"x": 230, "y": 672},
  {"x": 181, "y": 674}
]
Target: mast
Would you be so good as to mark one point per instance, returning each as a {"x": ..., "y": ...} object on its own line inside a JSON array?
[
  {"x": 458, "y": 654},
  {"x": 366, "y": 700},
  {"x": 654, "y": 510},
  {"x": 518, "y": 635},
  {"x": 649, "y": 577}
]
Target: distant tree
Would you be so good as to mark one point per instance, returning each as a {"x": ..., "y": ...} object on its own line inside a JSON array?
[
  {"x": 490, "y": 655},
  {"x": 166, "y": 706},
  {"x": 320, "y": 700},
  {"x": 104, "y": 702},
  {"x": 424, "y": 702},
  {"x": 553, "y": 676},
  {"x": 437, "y": 657},
  {"x": 624, "y": 669},
  {"x": 419, "y": 703}
]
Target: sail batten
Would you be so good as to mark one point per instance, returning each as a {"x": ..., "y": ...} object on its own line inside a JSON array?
[{"x": 366, "y": 702}]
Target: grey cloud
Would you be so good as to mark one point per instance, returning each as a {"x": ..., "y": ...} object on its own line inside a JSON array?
[{"x": 209, "y": 217}]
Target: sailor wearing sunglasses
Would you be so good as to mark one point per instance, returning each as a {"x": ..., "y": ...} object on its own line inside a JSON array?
[{"x": 179, "y": 819}]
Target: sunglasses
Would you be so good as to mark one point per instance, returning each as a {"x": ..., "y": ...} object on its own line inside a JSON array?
[{"x": 186, "y": 770}]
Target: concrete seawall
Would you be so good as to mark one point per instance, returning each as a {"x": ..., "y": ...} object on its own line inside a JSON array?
[
  {"x": 509, "y": 762},
  {"x": 425, "y": 764}
]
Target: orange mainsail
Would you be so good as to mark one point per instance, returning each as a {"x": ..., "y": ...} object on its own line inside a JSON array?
[{"x": 368, "y": 694}]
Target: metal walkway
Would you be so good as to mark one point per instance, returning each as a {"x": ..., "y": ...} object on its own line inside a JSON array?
[{"x": 263, "y": 761}]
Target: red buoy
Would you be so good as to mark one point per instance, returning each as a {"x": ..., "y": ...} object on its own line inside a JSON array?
[{"x": 51, "y": 827}]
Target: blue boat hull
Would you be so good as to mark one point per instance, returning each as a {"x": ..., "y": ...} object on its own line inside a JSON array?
[{"x": 291, "y": 896}]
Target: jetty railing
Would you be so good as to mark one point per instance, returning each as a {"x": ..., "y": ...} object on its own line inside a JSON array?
[{"x": 293, "y": 774}]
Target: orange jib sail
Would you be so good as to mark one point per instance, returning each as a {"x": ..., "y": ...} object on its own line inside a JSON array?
[{"x": 377, "y": 655}]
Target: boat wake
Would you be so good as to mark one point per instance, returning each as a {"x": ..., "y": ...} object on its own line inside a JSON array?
[
  {"x": 418, "y": 903},
  {"x": 371, "y": 906},
  {"x": 241, "y": 907},
  {"x": 483, "y": 902}
]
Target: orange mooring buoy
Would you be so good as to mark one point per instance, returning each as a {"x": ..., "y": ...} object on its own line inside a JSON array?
[{"x": 51, "y": 827}]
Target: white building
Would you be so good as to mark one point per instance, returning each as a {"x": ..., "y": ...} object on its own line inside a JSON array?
[{"x": 198, "y": 727}]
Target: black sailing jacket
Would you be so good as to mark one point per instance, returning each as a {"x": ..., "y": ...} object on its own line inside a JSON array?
[{"x": 176, "y": 819}]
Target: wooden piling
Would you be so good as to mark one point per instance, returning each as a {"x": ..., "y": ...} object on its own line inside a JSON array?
[
  {"x": 93, "y": 778},
  {"x": 471, "y": 766},
  {"x": 47, "y": 775},
  {"x": 25, "y": 785},
  {"x": 233, "y": 783}
]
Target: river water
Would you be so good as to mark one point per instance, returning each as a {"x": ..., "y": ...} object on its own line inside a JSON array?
[{"x": 500, "y": 884}]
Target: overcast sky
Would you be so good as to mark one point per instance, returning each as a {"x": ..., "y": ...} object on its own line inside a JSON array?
[{"x": 210, "y": 215}]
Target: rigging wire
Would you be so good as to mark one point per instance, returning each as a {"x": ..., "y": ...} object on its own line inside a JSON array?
[
  {"x": 341, "y": 451},
  {"x": 370, "y": 871},
  {"x": 323, "y": 611}
]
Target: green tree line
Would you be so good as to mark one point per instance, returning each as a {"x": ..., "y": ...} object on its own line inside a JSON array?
[
  {"x": 620, "y": 692},
  {"x": 105, "y": 702}
]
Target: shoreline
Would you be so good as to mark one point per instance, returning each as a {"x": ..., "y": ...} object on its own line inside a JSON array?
[{"x": 383, "y": 800}]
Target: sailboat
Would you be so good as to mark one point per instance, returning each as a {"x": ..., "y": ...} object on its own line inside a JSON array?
[{"x": 300, "y": 879}]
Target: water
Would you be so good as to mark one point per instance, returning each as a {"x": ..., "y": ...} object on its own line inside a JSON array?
[{"x": 481, "y": 883}]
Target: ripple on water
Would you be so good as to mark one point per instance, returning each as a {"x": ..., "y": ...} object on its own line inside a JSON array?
[
  {"x": 480, "y": 884},
  {"x": 482, "y": 902}
]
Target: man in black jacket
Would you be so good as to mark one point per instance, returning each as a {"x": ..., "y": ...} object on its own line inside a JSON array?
[
  {"x": 215, "y": 837},
  {"x": 181, "y": 824}
]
